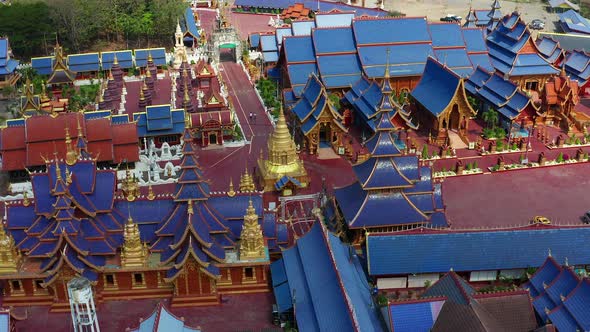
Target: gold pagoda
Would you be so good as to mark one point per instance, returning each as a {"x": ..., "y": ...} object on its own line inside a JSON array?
[
  {"x": 283, "y": 160},
  {"x": 251, "y": 239},
  {"x": 71, "y": 153},
  {"x": 130, "y": 187},
  {"x": 133, "y": 253},
  {"x": 246, "y": 182},
  {"x": 9, "y": 255}
]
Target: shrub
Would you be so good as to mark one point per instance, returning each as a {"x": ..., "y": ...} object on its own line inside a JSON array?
[
  {"x": 425, "y": 154},
  {"x": 499, "y": 132},
  {"x": 475, "y": 165},
  {"x": 559, "y": 158}
]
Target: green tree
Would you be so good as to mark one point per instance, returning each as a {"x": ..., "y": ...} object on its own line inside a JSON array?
[
  {"x": 28, "y": 27},
  {"x": 560, "y": 158},
  {"x": 425, "y": 154},
  {"x": 490, "y": 117},
  {"x": 335, "y": 100}
]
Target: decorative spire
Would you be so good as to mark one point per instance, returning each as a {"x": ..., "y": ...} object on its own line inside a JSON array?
[
  {"x": 133, "y": 253},
  {"x": 147, "y": 72},
  {"x": 190, "y": 207},
  {"x": 231, "y": 192},
  {"x": 252, "y": 240},
  {"x": 141, "y": 95},
  {"x": 283, "y": 159},
  {"x": 115, "y": 60},
  {"x": 386, "y": 76},
  {"x": 71, "y": 154},
  {"x": 246, "y": 181},
  {"x": 151, "y": 194},
  {"x": 57, "y": 168},
  {"x": 9, "y": 255},
  {"x": 130, "y": 187},
  {"x": 26, "y": 201},
  {"x": 68, "y": 176},
  {"x": 567, "y": 262},
  {"x": 549, "y": 252},
  {"x": 150, "y": 59}
]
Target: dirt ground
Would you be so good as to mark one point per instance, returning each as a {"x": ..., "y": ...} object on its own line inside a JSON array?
[{"x": 435, "y": 9}]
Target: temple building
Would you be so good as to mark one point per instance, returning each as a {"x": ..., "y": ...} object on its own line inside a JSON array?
[
  {"x": 515, "y": 55},
  {"x": 162, "y": 320},
  {"x": 560, "y": 294},
  {"x": 29, "y": 142},
  {"x": 391, "y": 189},
  {"x": 516, "y": 108},
  {"x": 8, "y": 74},
  {"x": 559, "y": 99},
  {"x": 318, "y": 123},
  {"x": 484, "y": 18},
  {"x": 451, "y": 304},
  {"x": 450, "y": 110},
  {"x": 321, "y": 281},
  {"x": 129, "y": 243},
  {"x": 282, "y": 171},
  {"x": 60, "y": 73},
  {"x": 480, "y": 256}
]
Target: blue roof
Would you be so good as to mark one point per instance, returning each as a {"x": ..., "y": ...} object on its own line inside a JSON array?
[
  {"x": 456, "y": 59},
  {"x": 301, "y": 49},
  {"x": 405, "y": 59},
  {"x": 3, "y": 51},
  {"x": 9, "y": 67},
  {"x": 331, "y": 290},
  {"x": 125, "y": 59},
  {"x": 43, "y": 66},
  {"x": 282, "y": 182},
  {"x": 334, "y": 40},
  {"x": 472, "y": 251},
  {"x": 481, "y": 60},
  {"x": 254, "y": 39},
  {"x": 161, "y": 320},
  {"x": 159, "y": 120},
  {"x": 271, "y": 56},
  {"x": 190, "y": 25},
  {"x": 83, "y": 62},
  {"x": 414, "y": 316},
  {"x": 439, "y": 80},
  {"x": 474, "y": 40},
  {"x": 302, "y": 28},
  {"x": 577, "y": 66},
  {"x": 158, "y": 56},
  {"x": 281, "y": 33},
  {"x": 268, "y": 43},
  {"x": 446, "y": 35},
  {"x": 572, "y": 21},
  {"x": 299, "y": 74},
  {"x": 453, "y": 287},
  {"x": 391, "y": 30},
  {"x": 548, "y": 47},
  {"x": 338, "y": 71},
  {"x": 324, "y": 20}
]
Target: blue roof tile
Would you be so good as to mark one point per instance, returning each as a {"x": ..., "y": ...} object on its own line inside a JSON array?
[
  {"x": 446, "y": 35},
  {"x": 391, "y": 30},
  {"x": 299, "y": 49},
  {"x": 572, "y": 21},
  {"x": 254, "y": 39},
  {"x": 438, "y": 79},
  {"x": 563, "y": 320},
  {"x": 414, "y": 316},
  {"x": 125, "y": 59},
  {"x": 473, "y": 251},
  {"x": 302, "y": 28},
  {"x": 158, "y": 56},
  {"x": 577, "y": 304},
  {"x": 84, "y": 62},
  {"x": 334, "y": 40},
  {"x": 474, "y": 40},
  {"x": 339, "y": 71},
  {"x": 333, "y": 19},
  {"x": 268, "y": 43}
]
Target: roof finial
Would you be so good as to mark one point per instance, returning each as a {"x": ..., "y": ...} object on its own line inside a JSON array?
[
  {"x": 151, "y": 194},
  {"x": 567, "y": 263},
  {"x": 26, "y": 201},
  {"x": 549, "y": 252},
  {"x": 190, "y": 206},
  {"x": 231, "y": 192},
  {"x": 386, "y": 76},
  {"x": 115, "y": 60}
]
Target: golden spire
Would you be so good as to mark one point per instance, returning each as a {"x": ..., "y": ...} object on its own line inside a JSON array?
[
  {"x": 190, "y": 207},
  {"x": 282, "y": 157},
  {"x": 80, "y": 134},
  {"x": 26, "y": 201},
  {"x": 9, "y": 255},
  {"x": 57, "y": 168},
  {"x": 71, "y": 154},
  {"x": 186, "y": 97},
  {"x": 246, "y": 181},
  {"x": 133, "y": 253},
  {"x": 150, "y": 59},
  {"x": 115, "y": 60},
  {"x": 147, "y": 72},
  {"x": 68, "y": 176},
  {"x": 141, "y": 95},
  {"x": 151, "y": 194},
  {"x": 130, "y": 186},
  {"x": 251, "y": 238},
  {"x": 231, "y": 192}
]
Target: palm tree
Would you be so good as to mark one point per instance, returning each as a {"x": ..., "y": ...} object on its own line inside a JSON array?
[{"x": 490, "y": 117}]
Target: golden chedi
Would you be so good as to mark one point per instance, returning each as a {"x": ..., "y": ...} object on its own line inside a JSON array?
[
  {"x": 133, "y": 253},
  {"x": 9, "y": 255},
  {"x": 247, "y": 182},
  {"x": 283, "y": 159},
  {"x": 251, "y": 239}
]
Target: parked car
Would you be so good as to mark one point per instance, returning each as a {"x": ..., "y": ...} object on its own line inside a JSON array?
[
  {"x": 451, "y": 18},
  {"x": 537, "y": 24}
]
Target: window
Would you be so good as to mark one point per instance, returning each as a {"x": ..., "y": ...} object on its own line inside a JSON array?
[
  {"x": 38, "y": 284},
  {"x": 138, "y": 280},
  {"x": 249, "y": 273},
  {"x": 168, "y": 139},
  {"x": 109, "y": 280},
  {"x": 16, "y": 286},
  {"x": 532, "y": 85}
]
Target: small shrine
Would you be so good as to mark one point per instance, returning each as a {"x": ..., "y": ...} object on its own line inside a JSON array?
[
  {"x": 10, "y": 256},
  {"x": 282, "y": 171},
  {"x": 252, "y": 241},
  {"x": 133, "y": 252},
  {"x": 60, "y": 73}
]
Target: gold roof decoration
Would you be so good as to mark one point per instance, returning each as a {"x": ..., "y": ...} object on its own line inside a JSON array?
[
  {"x": 190, "y": 207},
  {"x": 151, "y": 194},
  {"x": 10, "y": 256},
  {"x": 133, "y": 252},
  {"x": 149, "y": 58},
  {"x": 246, "y": 181},
  {"x": 130, "y": 186},
  {"x": 71, "y": 153},
  {"x": 231, "y": 192},
  {"x": 147, "y": 72},
  {"x": 26, "y": 200},
  {"x": 115, "y": 60},
  {"x": 282, "y": 159},
  {"x": 141, "y": 95},
  {"x": 251, "y": 238},
  {"x": 68, "y": 176}
]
